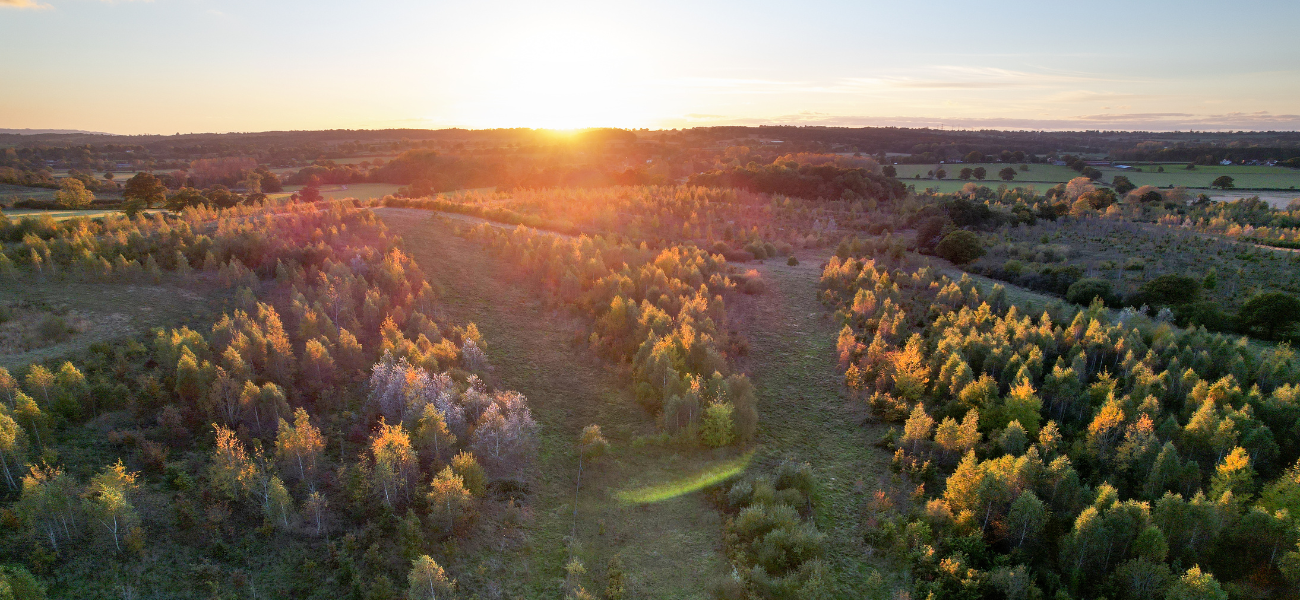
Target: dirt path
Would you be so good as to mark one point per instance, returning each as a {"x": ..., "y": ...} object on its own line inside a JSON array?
[
  {"x": 671, "y": 548},
  {"x": 804, "y": 414}
]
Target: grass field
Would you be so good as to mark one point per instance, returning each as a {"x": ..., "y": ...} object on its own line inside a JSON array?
[
  {"x": 110, "y": 311},
  {"x": 360, "y": 191},
  {"x": 639, "y": 503},
  {"x": 1198, "y": 181}
]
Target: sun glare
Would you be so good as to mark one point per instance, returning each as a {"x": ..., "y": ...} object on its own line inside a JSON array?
[{"x": 560, "y": 77}]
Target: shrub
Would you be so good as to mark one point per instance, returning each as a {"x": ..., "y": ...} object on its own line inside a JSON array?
[
  {"x": 960, "y": 247},
  {"x": 1084, "y": 290},
  {"x": 1271, "y": 312},
  {"x": 54, "y": 329},
  {"x": 792, "y": 261},
  {"x": 1170, "y": 290}
]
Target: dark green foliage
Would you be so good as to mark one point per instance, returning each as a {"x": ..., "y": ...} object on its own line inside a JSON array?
[
  {"x": 1083, "y": 291},
  {"x": 1168, "y": 290},
  {"x": 960, "y": 247},
  {"x": 1222, "y": 182},
  {"x": 1271, "y": 313},
  {"x": 1122, "y": 185}
]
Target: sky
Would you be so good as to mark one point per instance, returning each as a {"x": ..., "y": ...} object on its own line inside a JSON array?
[{"x": 189, "y": 66}]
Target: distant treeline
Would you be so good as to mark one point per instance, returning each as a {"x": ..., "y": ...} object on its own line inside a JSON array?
[{"x": 806, "y": 181}]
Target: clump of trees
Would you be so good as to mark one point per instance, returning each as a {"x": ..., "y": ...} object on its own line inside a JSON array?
[
  {"x": 325, "y": 402},
  {"x": 1075, "y": 452},
  {"x": 661, "y": 311}
]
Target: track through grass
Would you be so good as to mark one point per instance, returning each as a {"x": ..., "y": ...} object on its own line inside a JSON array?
[
  {"x": 804, "y": 414},
  {"x": 670, "y": 548}
]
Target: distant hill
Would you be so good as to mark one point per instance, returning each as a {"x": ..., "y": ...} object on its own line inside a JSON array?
[{"x": 48, "y": 131}]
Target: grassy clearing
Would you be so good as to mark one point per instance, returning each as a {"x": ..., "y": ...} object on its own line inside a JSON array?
[
  {"x": 105, "y": 312},
  {"x": 360, "y": 191},
  {"x": 670, "y": 548},
  {"x": 804, "y": 414}
]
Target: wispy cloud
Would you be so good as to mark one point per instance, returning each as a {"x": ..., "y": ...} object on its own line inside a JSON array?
[{"x": 24, "y": 4}]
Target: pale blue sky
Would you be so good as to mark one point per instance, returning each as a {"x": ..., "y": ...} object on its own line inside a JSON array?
[{"x": 165, "y": 66}]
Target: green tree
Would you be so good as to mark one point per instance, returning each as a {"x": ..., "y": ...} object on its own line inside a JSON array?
[
  {"x": 960, "y": 247},
  {"x": 980, "y": 173},
  {"x": 1272, "y": 313},
  {"x": 1007, "y": 174},
  {"x": 1170, "y": 290},
  {"x": 73, "y": 194},
  {"x": 965, "y": 173},
  {"x": 1084, "y": 290},
  {"x": 427, "y": 580},
  {"x": 145, "y": 189},
  {"x": 1027, "y": 518},
  {"x": 107, "y": 499},
  {"x": 1122, "y": 185},
  {"x": 1222, "y": 182},
  {"x": 717, "y": 427}
]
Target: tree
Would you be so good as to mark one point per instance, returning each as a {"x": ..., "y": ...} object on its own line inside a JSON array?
[
  {"x": 428, "y": 581},
  {"x": 1007, "y": 173},
  {"x": 889, "y": 171},
  {"x": 146, "y": 189},
  {"x": 1027, "y": 518},
  {"x": 315, "y": 508},
  {"x": 448, "y": 496},
  {"x": 230, "y": 470},
  {"x": 13, "y": 449},
  {"x": 980, "y": 173},
  {"x": 471, "y": 473},
  {"x": 716, "y": 428},
  {"x": 960, "y": 247},
  {"x": 965, "y": 173},
  {"x": 310, "y": 193},
  {"x": 973, "y": 156},
  {"x": 1170, "y": 290},
  {"x": 1084, "y": 290},
  {"x": 940, "y": 173},
  {"x": 1272, "y": 313},
  {"x": 1196, "y": 585},
  {"x": 393, "y": 461},
  {"x": 107, "y": 500},
  {"x": 73, "y": 194},
  {"x": 1122, "y": 185},
  {"x": 1222, "y": 182},
  {"x": 184, "y": 198},
  {"x": 301, "y": 445}
]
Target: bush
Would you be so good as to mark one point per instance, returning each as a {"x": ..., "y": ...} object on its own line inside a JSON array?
[
  {"x": 1169, "y": 290},
  {"x": 792, "y": 261},
  {"x": 960, "y": 247},
  {"x": 54, "y": 329},
  {"x": 1083, "y": 291},
  {"x": 1273, "y": 313}
]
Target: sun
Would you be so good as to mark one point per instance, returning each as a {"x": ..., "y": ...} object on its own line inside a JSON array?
[{"x": 560, "y": 77}]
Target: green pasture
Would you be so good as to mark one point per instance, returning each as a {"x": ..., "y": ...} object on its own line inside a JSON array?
[
  {"x": 1036, "y": 173},
  {"x": 1178, "y": 175}
]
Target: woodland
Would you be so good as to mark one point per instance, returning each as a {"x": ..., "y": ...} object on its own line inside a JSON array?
[{"x": 741, "y": 370}]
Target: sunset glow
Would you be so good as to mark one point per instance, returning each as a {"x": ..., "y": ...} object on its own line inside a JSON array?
[{"x": 676, "y": 64}]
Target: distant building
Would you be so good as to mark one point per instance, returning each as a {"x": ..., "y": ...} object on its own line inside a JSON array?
[
  {"x": 1123, "y": 167},
  {"x": 1225, "y": 162}
]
